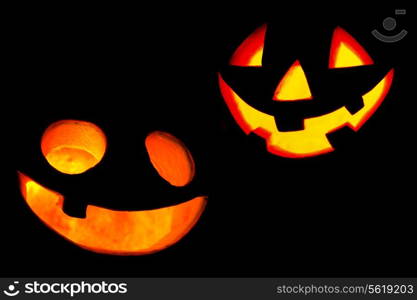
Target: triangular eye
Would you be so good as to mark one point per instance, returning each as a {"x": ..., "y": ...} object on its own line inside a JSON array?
[
  {"x": 250, "y": 52},
  {"x": 346, "y": 52}
]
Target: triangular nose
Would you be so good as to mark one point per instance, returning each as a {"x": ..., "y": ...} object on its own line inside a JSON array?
[{"x": 293, "y": 86}]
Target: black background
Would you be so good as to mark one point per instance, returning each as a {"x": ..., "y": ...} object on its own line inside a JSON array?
[{"x": 134, "y": 70}]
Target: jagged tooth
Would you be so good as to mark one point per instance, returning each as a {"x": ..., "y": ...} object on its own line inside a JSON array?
[
  {"x": 74, "y": 207},
  {"x": 289, "y": 124},
  {"x": 355, "y": 105}
]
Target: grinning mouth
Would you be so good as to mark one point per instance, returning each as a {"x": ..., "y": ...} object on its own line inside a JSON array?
[
  {"x": 109, "y": 231},
  {"x": 312, "y": 139}
]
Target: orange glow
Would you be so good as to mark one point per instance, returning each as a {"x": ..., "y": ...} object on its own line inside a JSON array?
[
  {"x": 73, "y": 147},
  {"x": 250, "y": 52},
  {"x": 109, "y": 231},
  {"x": 170, "y": 157},
  {"x": 346, "y": 52},
  {"x": 312, "y": 139},
  {"x": 293, "y": 85}
]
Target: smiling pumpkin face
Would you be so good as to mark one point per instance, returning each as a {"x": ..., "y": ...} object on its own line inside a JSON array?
[
  {"x": 75, "y": 147},
  {"x": 291, "y": 113}
]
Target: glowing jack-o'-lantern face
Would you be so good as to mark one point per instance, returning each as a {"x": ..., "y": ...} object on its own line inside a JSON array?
[
  {"x": 293, "y": 119},
  {"x": 74, "y": 147}
]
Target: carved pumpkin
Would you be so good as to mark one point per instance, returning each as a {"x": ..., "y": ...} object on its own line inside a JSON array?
[
  {"x": 293, "y": 118},
  {"x": 75, "y": 147},
  {"x": 104, "y": 160}
]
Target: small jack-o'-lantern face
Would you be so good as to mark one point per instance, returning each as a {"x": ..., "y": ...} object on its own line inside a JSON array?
[
  {"x": 291, "y": 113},
  {"x": 75, "y": 147}
]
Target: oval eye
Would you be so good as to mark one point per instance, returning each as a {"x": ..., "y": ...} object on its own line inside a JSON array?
[
  {"x": 346, "y": 52},
  {"x": 73, "y": 147},
  {"x": 170, "y": 158}
]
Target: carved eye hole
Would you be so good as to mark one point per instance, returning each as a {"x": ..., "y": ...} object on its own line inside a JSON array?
[
  {"x": 73, "y": 147},
  {"x": 346, "y": 52},
  {"x": 170, "y": 158},
  {"x": 250, "y": 52}
]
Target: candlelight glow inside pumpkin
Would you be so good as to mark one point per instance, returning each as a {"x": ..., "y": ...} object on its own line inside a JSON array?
[
  {"x": 311, "y": 140},
  {"x": 73, "y": 147},
  {"x": 170, "y": 158}
]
